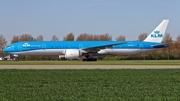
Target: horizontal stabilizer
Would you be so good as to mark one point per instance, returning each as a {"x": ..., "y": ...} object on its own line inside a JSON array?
[{"x": 162, "y": 45}]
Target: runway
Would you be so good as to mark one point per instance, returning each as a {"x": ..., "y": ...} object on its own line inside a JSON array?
[{"x": 88, "y": 67}]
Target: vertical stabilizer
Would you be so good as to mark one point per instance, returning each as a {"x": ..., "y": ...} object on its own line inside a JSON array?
[{"x": 158, "y": 33}]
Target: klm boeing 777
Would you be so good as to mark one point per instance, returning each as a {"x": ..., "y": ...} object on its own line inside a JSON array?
[{"x": 88, "y": 49}]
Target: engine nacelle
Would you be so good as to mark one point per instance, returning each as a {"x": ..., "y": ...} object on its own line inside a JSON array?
[
  {"x": 72, "y": 54},
  {"x": 102, "y": 52},
  {"x": 15, "y": 55}
]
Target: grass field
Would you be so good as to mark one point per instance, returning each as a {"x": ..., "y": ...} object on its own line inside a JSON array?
[
  {"x": 92, "y": 85},
  {"x": 113, "y": 62}
]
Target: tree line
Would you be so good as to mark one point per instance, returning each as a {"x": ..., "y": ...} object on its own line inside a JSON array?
[{"x": 172, "y": 52}]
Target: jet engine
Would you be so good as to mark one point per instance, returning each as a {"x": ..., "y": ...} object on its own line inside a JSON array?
[{"x": 72, "y": 54}]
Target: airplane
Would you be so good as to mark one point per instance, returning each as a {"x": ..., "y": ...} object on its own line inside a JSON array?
[{"x": 89, "y": 49}]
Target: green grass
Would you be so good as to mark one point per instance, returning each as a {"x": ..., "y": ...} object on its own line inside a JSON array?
[
  {"x": 108, "y": 62},
  {"x": 91, "y": 85}
]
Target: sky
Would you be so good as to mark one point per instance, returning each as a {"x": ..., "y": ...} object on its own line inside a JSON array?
[{"x": 61, "y": 17}]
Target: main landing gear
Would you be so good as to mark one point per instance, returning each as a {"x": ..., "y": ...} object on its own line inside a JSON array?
[{"x": 89, "y": 58}]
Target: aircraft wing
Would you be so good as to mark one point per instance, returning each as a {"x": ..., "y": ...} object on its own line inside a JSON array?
[
  {"x": 97, "y": 48},
  {"x": 159, "y": 45}
]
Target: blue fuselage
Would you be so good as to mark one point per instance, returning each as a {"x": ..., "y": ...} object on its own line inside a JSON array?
[{"x": 57, "y": 47}]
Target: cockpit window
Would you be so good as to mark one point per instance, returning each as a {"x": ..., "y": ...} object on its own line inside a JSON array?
[{"x": 7, "y": 46}]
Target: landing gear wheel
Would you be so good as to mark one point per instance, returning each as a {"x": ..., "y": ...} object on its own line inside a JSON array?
[
  {"x": 94, "y": 59},
  {"x": 84, "y": 59},
  {"x": 89, "y": 59}
]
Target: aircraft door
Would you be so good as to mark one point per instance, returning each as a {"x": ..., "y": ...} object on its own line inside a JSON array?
[
  {"x": 80, "y": 46},
  {"x": 44, "y": 47},
  {"x": 19, "y": 47},
  {"x": 141, "y": 47}
]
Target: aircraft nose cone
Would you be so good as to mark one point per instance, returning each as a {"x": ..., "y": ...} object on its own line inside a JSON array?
[{"x": 5, "y": 50}]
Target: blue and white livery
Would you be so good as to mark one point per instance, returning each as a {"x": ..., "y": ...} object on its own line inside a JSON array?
[{"x": 87, "y": 49}]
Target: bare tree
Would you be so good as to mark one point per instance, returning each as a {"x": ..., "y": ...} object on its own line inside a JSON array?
[
  {"x": 86, "y": 37},
  {"x": 177, "y": 44},
  {"x": 23, "y": 37},
  {"x": 142, "y": 36},
  {"x": 105, "y": 37},
  {"x": 82, "y": 36},
  {"x": 54, "y": 38},
  {"x": 15, "y": 39},
  {"x": 167, "y": 38},
  {"x": 95, "y": 37},
  {"x": 3, "y": 42},
  {"x": 121, "y": 38},
  {"x": 69, "y": 37},
  {"x": 178, "y": 39},
  {"x": 26, "y": 37},
  {"x": 90, "y": 37},
  {"x": 40, "y": 38},
  {"x": 176, "y": 47}
]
